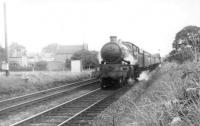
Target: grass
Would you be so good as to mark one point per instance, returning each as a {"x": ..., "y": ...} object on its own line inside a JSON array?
[
  {"x": 161, "y": 101},
  {"x": 19, "y": 83}
]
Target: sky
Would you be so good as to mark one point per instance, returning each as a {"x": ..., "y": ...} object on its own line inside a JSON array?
[{"x": 149, "y": 24}]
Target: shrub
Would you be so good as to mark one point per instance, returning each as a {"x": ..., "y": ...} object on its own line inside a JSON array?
[
  {"x": 41, "y": 65},
  {"x": 38, "y": 66},
  {"x": 181, "y": 56},
  {"x": 13, "y": 66},
  {"x": 175, "y": 104},
  {"x": 68, "y": 64},
  {"x": 89, "y": 59}
]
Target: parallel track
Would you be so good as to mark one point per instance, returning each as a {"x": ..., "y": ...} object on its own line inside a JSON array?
[
  {"x": 29, "y": 99},
  {"x": 85, "y": 117},
  {"x": 66, "y": 112}
]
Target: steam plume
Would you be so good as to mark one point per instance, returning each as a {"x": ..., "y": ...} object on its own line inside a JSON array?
[{"x": 144, "y": 76}]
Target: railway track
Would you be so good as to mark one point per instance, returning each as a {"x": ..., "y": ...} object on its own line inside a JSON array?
[
  {"x": 66, "y": 112},
  {"x": 16, "y": 103},
  {"x": 85, "y": 117}
]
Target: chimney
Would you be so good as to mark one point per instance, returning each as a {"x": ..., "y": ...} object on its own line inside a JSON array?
[{"x": 113, "y": 38}]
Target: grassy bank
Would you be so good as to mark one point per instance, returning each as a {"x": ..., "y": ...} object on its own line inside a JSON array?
[
  {"x": 19, "y": 83},
  {"x": 160, "y": 101}
]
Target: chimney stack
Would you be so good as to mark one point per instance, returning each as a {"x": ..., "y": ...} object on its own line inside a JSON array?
[{"x": 113, "y": 38}]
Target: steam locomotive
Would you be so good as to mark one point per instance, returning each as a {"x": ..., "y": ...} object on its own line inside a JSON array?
[{"x": 121, "y": 61}]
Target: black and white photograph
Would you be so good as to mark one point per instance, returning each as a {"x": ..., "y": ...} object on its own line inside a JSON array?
[{"x": 99, "y": 62}]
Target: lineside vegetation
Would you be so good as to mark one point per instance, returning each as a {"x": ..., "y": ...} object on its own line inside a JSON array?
[
  {"x": 169, "y": 98},
  {"x": 19, "y": 83}
]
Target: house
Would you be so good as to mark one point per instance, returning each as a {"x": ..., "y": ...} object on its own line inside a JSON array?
[
  {"x": 47, "y": 57},
  {"x": 55, "y": 66},
  {"x": 17, "y": 54},
  {"x": 21, "y": 60},
  {"x": 64, "y": 52},
  {"x": 56, "y": 60}
]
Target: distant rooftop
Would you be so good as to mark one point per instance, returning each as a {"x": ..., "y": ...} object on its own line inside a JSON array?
[{"x": 70, "y": 49}]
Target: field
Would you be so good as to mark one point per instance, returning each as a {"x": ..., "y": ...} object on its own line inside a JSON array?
[
  {"x": 164, "y": 100},
  {"x": 19, "y": 83}
]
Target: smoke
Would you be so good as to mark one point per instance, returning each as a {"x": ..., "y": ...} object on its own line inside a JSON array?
[
  {"x": 130, "y": 58},
  {"x": 131, "y": 81},
  {"x": 144, "y": 76},
  {"x": 128, "y": 54}
]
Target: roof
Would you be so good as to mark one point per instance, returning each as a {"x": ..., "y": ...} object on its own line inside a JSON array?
[{"x": 70, "y": 49}]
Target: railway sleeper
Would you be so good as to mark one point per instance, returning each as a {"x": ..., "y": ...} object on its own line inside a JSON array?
[
  {"x": 102, "y": 106},
  {"x": 70, "y": 110},
  {"x": 74, "y": 108},
  {"x": 82, "y": 121},
  {"x": 69, "y": 114},
  {"x": 63, "y": 114},
  {"x": 40, "y": 124},
  {"x": 88, "y": 100},
  {"x": 77, "y": 105},
  {"x": 84, "y": 103},
  {"x": 86, "y": 118},
  {"x": 78, "y": 124},
  {"x": 96, "y": 110},
  {"x": 52, "y": 120},
  {"x": 88, "y": 114},
  {"x": 78, "y": 119}
]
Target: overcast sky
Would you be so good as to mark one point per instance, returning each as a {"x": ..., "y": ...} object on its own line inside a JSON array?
[{"x": 150, "y": 24}]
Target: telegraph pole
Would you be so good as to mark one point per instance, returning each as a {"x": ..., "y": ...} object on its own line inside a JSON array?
[{"x": 6, "y": 43}]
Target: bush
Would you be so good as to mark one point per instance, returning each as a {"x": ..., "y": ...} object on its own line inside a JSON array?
[
  {"x": 13, "y": 66},
  {"x": 89, "y": 58},
  {"x": 171, "y": 102},
  {"x": 41, "y": 65},
  {"x": 68, "y": 64},
  {"x": 38, "y": 66},
  {"x": 181, "y": 56}
]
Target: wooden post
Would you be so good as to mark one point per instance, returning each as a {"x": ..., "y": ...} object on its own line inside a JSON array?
[{"x": 6, "y": 43}]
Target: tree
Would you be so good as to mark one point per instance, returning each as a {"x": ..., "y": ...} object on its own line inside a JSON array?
[
  {"x": 17, "y": 50},
  {"x": 188, "y": 36},
  {"x": 180, "y": 56},
  {"x": 68, "y": 63},
  {"x": 89, "y": 58},
  {"x": 51, "y": 48}
]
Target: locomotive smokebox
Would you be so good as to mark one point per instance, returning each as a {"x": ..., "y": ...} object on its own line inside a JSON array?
[
  {"x": 111, "y": 52},
  {"x": 116, "y": 52}
]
